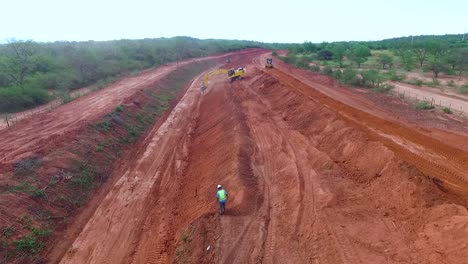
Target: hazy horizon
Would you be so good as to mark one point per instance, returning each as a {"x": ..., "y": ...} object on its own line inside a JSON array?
[{"x": 294, "y": 21}]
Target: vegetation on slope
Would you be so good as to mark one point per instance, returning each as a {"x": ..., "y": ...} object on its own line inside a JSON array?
[
  {"x": 33, "y": 73},
  {"x": 370, "y": 64},
  {"x": 44, "y": 191}
]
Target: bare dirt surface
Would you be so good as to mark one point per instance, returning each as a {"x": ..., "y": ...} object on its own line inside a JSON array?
[{"x": 315, "y": 174}]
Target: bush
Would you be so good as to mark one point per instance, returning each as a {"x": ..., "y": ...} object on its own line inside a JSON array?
[
  {"x": 328, "y": 71},
  {"x": 315, "y": 68},
  {"x": 350, "y": 77},
  {"x": 464, "y": 89},
  {"x": 434, "y": 83},
  {"x": 422, "y": 105},
  {"x": 28, "y": 244},
  {"x": 392, "y": 76},
  {"x": 451, "y": 83},
  {"x": 416, "y": 82},
  {"x": 14, "y": 99},
  {"x": 325, "y": 55},
  {"x": 384, "y": 88},
  {"x": 447, "y": 110},
  {"x": 371, "y": 78}
]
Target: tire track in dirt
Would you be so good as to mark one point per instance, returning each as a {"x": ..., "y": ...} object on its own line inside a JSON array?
[
  {"x": 245, "y": 244},
  {"x": 330, "y": 244},
  {"x": 130, "y": 195},
  {"x": 456, "y": 161}
]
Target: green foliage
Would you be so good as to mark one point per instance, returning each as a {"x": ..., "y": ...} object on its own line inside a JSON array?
[
  {"x": 315, "y": 68},
  {"x": 359, "y": 54},
  {"x": 28, "y": 245},
  {"x": 325, "y": 55},
  {"x": 118, "y": 109},
  {"x": 392, "y": 76},
  {"x": 13, "y": 99},
  {"x": 417, "y": 82},
  {"x": 41, "y": 233},
  {"x": 446, "y": 110},
  {"x": 464, "y": 89},
  {"x": 8, "y": 231},
  {"x": 29, "y": 188},
  {"x": 84, "y": 180},
  {"x": 436, "y": 66},
  {"x": 386, "y": 60},
  {"x": 371, "y": 78},
  {"x": 28, "y": 69},
  {"x": 350, "y": 77},
  {"x": 383, "y": 88},
  {"x": 104, "y": 125},
  {"x": 422, "y": 105},
  {"x": 328, "y": 71},
  {"x": 339, "y": 52}
]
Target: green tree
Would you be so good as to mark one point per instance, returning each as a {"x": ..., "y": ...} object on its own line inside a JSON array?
[
  {"x": 339, "y": 52},
  {"x": 309, "y": 47},
  {"x": 436, "y": 66},
  {"x": 359, "y": 54},
  {"x": 408, "y": 60},
  {"x": 421, "y": 51},
  {"x": 462, "y": 63},
  {"x": 385, "y": 60},
  {"x": 372, "y": 78},
  {"x": 18, "y": 62},
  {"x": 325, "y": 55}
]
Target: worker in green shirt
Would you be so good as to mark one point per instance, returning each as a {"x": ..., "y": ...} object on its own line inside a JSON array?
[{"x": 221, "y": 195}]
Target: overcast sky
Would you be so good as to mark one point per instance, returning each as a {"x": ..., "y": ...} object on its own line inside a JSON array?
[{"x": 266, "y": 21}]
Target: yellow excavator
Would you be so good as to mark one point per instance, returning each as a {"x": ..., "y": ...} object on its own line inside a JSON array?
[
  {"x": 269, "y": 63},
  {"x": 233, "y": 75}
]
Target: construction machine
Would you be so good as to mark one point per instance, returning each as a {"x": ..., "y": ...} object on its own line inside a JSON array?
[
  {"x": 233, "y": 75},
  {"x": 269, "y": 63}
]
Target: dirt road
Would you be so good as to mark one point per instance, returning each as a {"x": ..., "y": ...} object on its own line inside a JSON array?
[
  {"x": 458, "y": 103},
  {"x": 313, "y": 175}
]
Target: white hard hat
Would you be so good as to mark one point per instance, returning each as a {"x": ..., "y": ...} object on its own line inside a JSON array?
[{"x": 219, "y": 186}]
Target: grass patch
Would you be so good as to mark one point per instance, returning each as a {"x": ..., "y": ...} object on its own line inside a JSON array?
[
  {"x": 7, "y": 232},
  {"x": 165, "y": 97},
  {"x": 424, "y": 105},
  {"x": 84, "y": 180},
  {"x": 464, "y": 89},
  {"x": 28, "y": 188},
  {"x": 104, "y": 125},
  {"x": 384, "y": 88},
  {"x": 446, "y": 110},
  {"x": 28, "y": 245},
  {"x": 119, "y": 109}
]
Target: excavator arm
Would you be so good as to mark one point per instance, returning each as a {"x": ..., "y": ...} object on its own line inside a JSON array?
[
  {"x": 232, "y": 73},
  {"x": 215, "y": 72}
]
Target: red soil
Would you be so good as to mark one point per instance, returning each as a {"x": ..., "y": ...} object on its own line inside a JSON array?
[{"x": 315, "y": 173}]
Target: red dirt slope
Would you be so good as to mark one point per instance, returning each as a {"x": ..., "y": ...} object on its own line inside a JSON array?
[{"x": 314, "y": 176}]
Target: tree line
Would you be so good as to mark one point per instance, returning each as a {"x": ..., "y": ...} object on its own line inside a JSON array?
[
  {"x": 437, "y": 54},
  {"x": 33, "y": 73}
]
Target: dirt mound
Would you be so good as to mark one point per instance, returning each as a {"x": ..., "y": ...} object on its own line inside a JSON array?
[{"x": 358, "y": 172}]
